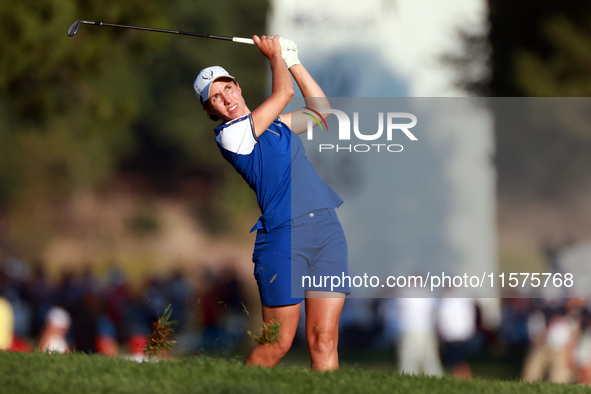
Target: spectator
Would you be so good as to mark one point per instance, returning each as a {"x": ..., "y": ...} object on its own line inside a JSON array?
[
  {"x": 57, "y": 324},
  {"x": 551, "y": 334},
  {"x": 85, "y": 323},
  {"x": 135, "y": 346},
  {"x": 40, "y": 294},
  {"x": 583, "y": 348},
  {"x": 179, "y": 290},
  {"x": 514, "y": 322},
  {"x": 106, "y": 339},
  {"x": 8, "y": 340},
  {"x": 6, "y": 324},
  {"x": 418, "y": 348},
  {"x": 457, "y": 325},
  {"x": 118, "y": 300}
]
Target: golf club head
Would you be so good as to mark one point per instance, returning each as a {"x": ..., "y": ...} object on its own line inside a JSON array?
[{"x": 74, "y": 28}]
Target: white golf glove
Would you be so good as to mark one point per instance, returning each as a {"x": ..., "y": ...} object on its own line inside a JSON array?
[{"x": 289, "y": 52}]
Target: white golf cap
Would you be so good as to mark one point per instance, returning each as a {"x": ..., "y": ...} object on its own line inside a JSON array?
[
  {"x": 205, "y": 78},
  {"x": 58, "y": 317}
]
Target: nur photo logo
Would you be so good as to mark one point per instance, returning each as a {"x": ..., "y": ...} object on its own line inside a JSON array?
[
  {"x": 394, "y": 123},
  {"x": 315, "y": 117}
]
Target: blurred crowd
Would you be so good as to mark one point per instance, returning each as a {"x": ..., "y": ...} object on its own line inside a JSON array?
[
  {"x": 107, "y": 315},
  {"x": 544, "y": 338},
  {"x": 552, "y": 336}
]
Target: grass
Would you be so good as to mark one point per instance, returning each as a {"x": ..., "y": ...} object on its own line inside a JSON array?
[
  {"x": 159, "y": 341},
  {"x": 79, "y": 373},
  {"x": 270, "y": 333}
]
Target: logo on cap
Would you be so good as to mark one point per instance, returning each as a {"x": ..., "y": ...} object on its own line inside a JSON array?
[{"x": 207, "y": 74}]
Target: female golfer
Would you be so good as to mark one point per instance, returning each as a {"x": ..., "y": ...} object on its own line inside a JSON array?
[{"x": 299, "y": 236}]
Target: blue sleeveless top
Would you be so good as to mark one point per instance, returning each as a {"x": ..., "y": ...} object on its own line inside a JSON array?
[{"x": 275, "y": 166}]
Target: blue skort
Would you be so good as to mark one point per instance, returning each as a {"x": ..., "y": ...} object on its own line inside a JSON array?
[{"x": 302, "y": 254}]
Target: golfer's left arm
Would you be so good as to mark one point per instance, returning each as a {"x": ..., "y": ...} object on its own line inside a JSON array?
[{"x": 314, "y": 96}]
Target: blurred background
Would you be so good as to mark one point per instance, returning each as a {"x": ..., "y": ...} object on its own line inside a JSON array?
[{"x": 115, "y": 202}]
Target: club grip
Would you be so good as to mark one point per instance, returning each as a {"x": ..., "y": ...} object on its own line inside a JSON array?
[{"x": 243, "y": 40}]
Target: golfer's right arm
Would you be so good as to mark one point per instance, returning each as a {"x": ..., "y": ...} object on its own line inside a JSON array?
[{"x": 282, "y": 90}]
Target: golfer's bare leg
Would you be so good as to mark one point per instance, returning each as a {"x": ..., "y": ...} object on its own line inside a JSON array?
[
  {"x": 269, "y": 355},
  {"x": 322, "y": 328}
]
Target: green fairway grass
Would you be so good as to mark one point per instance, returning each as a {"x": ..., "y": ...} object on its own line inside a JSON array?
[{"x": 78, "y": 373}]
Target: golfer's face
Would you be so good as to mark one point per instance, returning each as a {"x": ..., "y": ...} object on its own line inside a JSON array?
[{"x": 226, "y": 101}]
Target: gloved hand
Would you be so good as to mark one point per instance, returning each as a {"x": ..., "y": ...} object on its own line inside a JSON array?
[{"x": 289, "y": 52}]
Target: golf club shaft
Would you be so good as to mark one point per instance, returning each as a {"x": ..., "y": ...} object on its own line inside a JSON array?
[{"x": 183, "y": 33}]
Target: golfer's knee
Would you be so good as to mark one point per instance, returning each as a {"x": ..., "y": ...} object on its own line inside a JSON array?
[
  {"x": 323, "y": 341},
  {"x": 281, "y": 348}
]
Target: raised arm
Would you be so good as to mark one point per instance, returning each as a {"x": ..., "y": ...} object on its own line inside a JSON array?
[
  {"x": 282, "y": 90},
  {"x": 314, "y": 97}
]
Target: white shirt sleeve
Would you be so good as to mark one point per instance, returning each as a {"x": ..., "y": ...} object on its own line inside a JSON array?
[{"x": 238, "y": 137}]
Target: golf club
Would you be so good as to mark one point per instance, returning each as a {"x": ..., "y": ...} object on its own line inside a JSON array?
[{"x": 76, "y": 25}]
